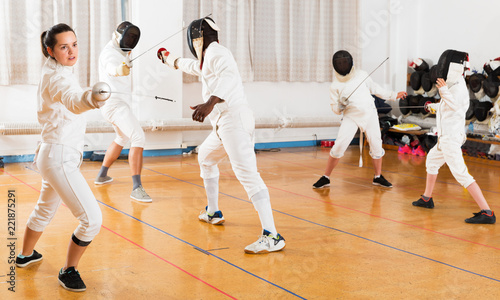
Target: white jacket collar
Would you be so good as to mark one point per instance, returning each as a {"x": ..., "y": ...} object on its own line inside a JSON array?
[
  {"x": 55, "y": 65},
  {"x": 346, "y": 77}
]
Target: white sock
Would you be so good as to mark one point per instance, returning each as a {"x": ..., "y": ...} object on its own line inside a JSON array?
[
  {"x": 262, "y": 203},
  {"x": 212, "y": 190}
]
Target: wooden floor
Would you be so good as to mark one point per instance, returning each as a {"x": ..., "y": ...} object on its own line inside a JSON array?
[{"x": 351, "y": 241}]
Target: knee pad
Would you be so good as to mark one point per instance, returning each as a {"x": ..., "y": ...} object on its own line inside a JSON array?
[{"x": 79, "y": 242}]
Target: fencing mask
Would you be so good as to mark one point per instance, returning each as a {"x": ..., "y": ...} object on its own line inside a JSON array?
[
  {"x": 451, "y": 65},
  {"x": 491, "y": 87},
  {"x": 127, "y": 35},
  {"x": 419, "y": 64},
  {"x": 476, "y": 82},
  {"x": 200, "y": 34},
  {"x": 492, "y": 65},
  {"x": 470, "y": 111},
  {"x": 403, "y": 105},
  {"x": 416, "y": 82},
  {"x": 428, "y": 85},
  {"x": 482, "y": 109},
  {"x": 342, "y": 62}
]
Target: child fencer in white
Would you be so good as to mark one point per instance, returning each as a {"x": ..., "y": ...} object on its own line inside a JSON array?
[
  {"x": 60, "y": 103},
  {"x": 114, "y": 69},
  {"x": 450, "y": 121},
  {"x": 358, "y": 111},
  {"x": 233, "y": 128}
]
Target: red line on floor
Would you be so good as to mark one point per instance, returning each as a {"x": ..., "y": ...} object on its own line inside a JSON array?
[
  {"x": 168, "y": 262},
  {"x": 369, "y": 214},
  {"x": 130, "y": 241}
]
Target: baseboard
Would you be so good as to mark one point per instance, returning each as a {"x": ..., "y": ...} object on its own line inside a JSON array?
[{"x": 179, "y": 151}]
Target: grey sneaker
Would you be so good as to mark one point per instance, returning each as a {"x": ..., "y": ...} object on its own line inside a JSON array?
[
  {"x": 103, "y": 180},
  {"x": 140, "y": 195}
]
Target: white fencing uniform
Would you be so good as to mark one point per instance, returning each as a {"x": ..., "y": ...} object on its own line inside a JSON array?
[
  {"x": 450, "y": 121},
  {"x": 360, "y": 112},
  {"x": 117, "y": 110},
  {"x": 232, "y": 120},
  {"x": 61, "y": 101}
]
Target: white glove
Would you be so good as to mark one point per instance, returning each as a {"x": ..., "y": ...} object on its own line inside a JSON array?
[
  {"x": 431, "y": 107},
  {"x": 101, "y": 92},
  {"x": 123, "y": 69},
  {"x": 167, "y": 58},
  {"x": 343, "y": 103},
  {"x": 128, "y": 61}
]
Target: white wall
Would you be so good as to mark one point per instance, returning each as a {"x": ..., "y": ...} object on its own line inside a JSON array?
[
  {"x": 469, "y": 26},
  {"x": 404, "y": 30},
  {"x": 401, "y": 30}
]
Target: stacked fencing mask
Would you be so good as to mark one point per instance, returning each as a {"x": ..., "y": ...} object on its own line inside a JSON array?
[
  {"x": 416, "y": 82},
  {"x": 451, "y": 65},
  {"x": 419, "y": 64},
  {"x": 427, "y": 84},
  {"x": 491, "y": 87},
  {"x": 342, "y": 62},
  {"x": 476, "y": 85},
  {"x": 492, "y": 65},
  {"x": 490, "y": 84},
  {"x": 127, "y": 35},
  {"x": 470, "y": 111},
  {"x": 197, "y": 32},
  {"x": 482, "y": 109}
]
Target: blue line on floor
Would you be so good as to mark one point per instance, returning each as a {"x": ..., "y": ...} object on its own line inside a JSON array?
[{"x": 342, "y": 231}]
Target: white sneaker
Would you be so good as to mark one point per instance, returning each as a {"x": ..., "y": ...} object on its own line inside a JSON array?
[
  {"x": 140, "y": 195},
  {"x": 103, "y": 180},
  {"x": 266, "y": 243},
  {"x": 215, "y": 219}
]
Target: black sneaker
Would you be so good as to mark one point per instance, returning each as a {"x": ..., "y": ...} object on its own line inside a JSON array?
[
  {"x": 482, "y": 218},
  {"x": 26, "y": 260},
  {"x": 381, "y": 181},
  {"x": 70, "y": 279},
  {"x": 322, "y": 183},
  {"x": 424, "y": 203}
]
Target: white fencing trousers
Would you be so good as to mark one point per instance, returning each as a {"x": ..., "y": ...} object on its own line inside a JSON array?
[
  {"x": 348, "y": 129},
  {"x": 60, "y": 169},
  {"x": 233, "y": 136},
  {"x": 449, "y": 152},
  {"x": 126, "y": 125}
]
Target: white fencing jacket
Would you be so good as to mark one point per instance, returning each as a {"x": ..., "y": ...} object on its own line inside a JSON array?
[
  {"x": 219, "y": 76},
  {"x": 451, "y": 110},
  {"x": 61, "y": 100},
  {"x": 109, "y": 59},
  {"x": 361, "y": 104}
]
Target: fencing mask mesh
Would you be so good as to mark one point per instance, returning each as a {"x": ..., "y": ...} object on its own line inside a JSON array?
[
  {"x": 342, "y": 62},
  {"x": 128, "y": 35}
]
